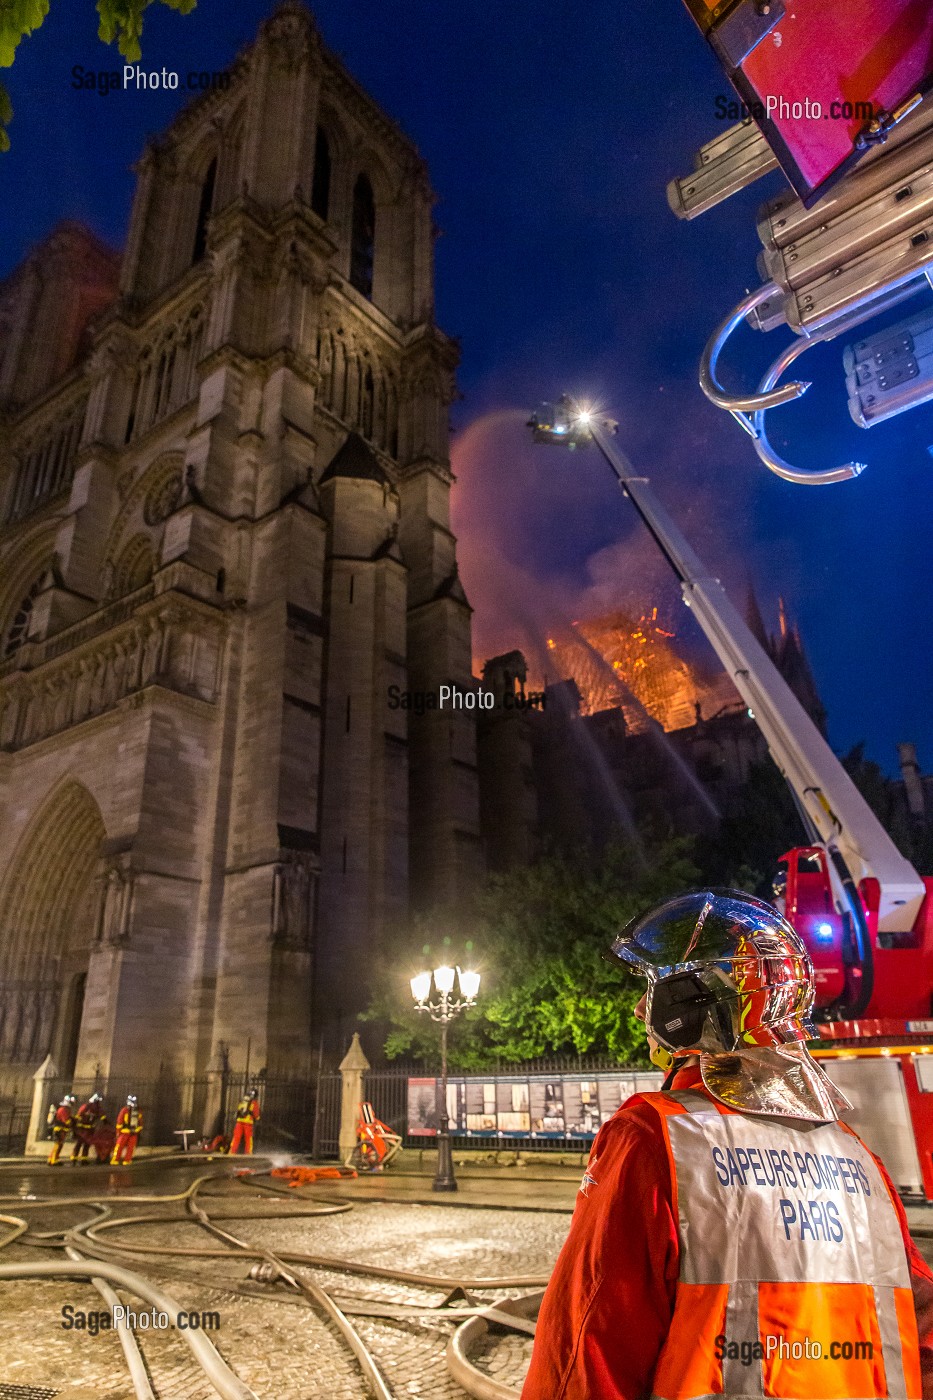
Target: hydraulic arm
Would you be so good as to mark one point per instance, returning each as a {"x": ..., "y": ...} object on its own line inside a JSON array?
[{"x": 833, "y": 810}]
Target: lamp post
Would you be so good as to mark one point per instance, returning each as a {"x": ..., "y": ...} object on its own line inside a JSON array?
[{"x": 443, "y": 1008}]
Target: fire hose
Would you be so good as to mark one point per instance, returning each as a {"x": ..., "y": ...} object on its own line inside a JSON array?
[
  {"x": 100, "y": 1268},
  {"x": 134, "y": 1357},
  {"x": 226, "y": 1382}
]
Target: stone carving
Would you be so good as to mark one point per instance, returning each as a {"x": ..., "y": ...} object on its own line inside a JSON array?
[
  {"x": 163, "y": 499},
  {"x": 178, "y": 648},
  {"x": 28, "y": 1009},
  {"x": 293, "y": 900},
  {"x": 116, "y": 905}
]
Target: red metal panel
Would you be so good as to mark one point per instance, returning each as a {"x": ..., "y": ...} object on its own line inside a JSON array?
[
  {"x": 843, "y": 59},
  {"x": 844, "y": 52}
]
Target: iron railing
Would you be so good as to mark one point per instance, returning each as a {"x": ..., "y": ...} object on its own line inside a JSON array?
[{"x": 14, "y": 1123}]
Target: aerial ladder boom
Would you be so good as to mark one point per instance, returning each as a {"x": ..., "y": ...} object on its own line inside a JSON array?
[{"x": 834, "y": 812}]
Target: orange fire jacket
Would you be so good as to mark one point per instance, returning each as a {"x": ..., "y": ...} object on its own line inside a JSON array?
[{"x": 615, "y": 1304}]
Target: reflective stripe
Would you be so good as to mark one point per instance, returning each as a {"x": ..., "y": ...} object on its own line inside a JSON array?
[
  {"x": 910, "y": 1353},
  {"x": 742, "y": 1326},
  {"x": 891, "y": 1343},
  {"x": 786, "y": 1232}
]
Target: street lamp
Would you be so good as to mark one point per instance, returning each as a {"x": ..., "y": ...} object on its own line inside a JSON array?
[{"x": 444, "y": 1008}]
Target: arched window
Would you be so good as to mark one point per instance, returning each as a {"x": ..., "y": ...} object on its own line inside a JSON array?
[
  {"x": 204, "y": 213},
  {"x": 320, "y": 184},
  {"x": 363, "y": 237},
  {"x": 18, "y": 629},
  {"x": 134, "y": 568}
]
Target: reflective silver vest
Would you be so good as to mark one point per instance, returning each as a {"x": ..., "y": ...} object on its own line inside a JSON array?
[{"x": 794, "y": 1281}]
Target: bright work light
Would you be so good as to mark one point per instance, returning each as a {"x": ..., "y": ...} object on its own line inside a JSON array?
[{"x": 562, "y": 422}]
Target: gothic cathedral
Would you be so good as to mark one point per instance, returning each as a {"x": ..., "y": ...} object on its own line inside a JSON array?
[{"x": 224, "y": 486}]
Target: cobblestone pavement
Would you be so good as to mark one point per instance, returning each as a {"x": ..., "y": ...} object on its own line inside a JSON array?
[
  {"x": 272, "y": 1338},
  {"x": 282, "y": 1349}
]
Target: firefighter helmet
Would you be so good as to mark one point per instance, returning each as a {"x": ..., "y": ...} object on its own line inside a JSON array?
[
  {"x": 729, "y": 979},
  {"x": 96, "y": 1098},
  {"x": 131, "y": 1100},
  {"x": 68, "y": 1099}
]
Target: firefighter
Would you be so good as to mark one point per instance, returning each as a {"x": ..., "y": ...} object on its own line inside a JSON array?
[
  {"x": 104, "y": 1139},
  {"x": 61, "y": 1121},
  {"x": 85, "y": 1124},
  {"x": 247, "y": 1115},
  {"x": 731, "y": 1237},
  {"x": 129, "y": 1127}
]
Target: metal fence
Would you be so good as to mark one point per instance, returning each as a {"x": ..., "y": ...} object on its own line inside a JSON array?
[
  {"x": 202, "y": 1105},
  {"x": 325, "y": 1138},
  {"x": 14, "y": 1123},
  {"x": 540, "y": 1106},
  {"x": 303, "y": 1115}
]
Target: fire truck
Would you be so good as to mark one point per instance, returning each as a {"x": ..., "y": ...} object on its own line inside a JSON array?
[{"x": 864, "y": 913}]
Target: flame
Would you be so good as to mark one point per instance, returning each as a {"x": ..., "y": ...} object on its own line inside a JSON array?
[{"x": 621, "y": 662}]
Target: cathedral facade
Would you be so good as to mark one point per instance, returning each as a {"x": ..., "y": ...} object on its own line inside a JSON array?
[{"x": 224, "y": 535}]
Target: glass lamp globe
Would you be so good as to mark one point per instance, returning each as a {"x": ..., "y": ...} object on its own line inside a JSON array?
[
  {"x": 469, "y": 984},
  {"x": 421, "y": 986},
  {"x": 444, "y": 978}
]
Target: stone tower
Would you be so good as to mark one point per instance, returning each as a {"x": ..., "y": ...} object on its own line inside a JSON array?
[{"x": 224, "y": 486}]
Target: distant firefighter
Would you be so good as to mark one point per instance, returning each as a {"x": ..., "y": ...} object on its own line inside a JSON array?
[
  {"x": 85, "y": 1123},
  {"x": 247, "y": 1115},
  {"x": 129, "y": 1127},
  {"x": 61, "y": 1121},
  {"x": 104, "y": 1139}
]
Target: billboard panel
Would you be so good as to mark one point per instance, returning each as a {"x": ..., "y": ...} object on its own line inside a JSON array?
[{"x": 563, "y": 1107}]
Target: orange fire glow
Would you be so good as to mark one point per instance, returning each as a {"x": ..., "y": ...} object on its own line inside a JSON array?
[{"x": 621, "y": 662}]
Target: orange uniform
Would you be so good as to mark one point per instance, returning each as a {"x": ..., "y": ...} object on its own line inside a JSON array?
[
  {"x": 85, "y": 1123},
  {"x": 62, "y": 1124},
  {"x": 247, "y": 1115},
  {"x": 129, "y": 1127},
  {"x": 658, "y": 1286}
]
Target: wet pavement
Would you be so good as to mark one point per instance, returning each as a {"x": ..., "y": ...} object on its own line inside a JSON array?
[
  {"x": 507, "y": 1222},
  {"x": 279, "y": 1345}
]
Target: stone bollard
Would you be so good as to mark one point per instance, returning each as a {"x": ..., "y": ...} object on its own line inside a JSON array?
[
  {"x": 36, "y": 1144},
  {"x": 352, "y": 1068}
]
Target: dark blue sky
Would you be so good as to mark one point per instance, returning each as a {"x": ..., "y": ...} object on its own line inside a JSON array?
[{"x": 551, "y": 131}]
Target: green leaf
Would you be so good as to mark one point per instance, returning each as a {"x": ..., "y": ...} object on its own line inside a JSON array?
[
  {"x": 122, "y": 20},
  {"x": 539, "y": 934},
  {"x": 17, "y": 19}
]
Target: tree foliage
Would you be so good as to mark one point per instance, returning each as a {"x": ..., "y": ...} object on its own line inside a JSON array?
[
  {"x": 913, "y": 837},
  {"x": 539, "y": 941},
  {"x": 121, "y": 22},
  {"x": 761, "y": 824}
]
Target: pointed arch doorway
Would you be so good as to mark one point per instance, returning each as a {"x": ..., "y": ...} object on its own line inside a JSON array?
[{"x": 48, "y": 922}]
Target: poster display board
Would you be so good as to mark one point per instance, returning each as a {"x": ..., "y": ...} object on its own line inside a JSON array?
[{"x": 561, "y": 1107}]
